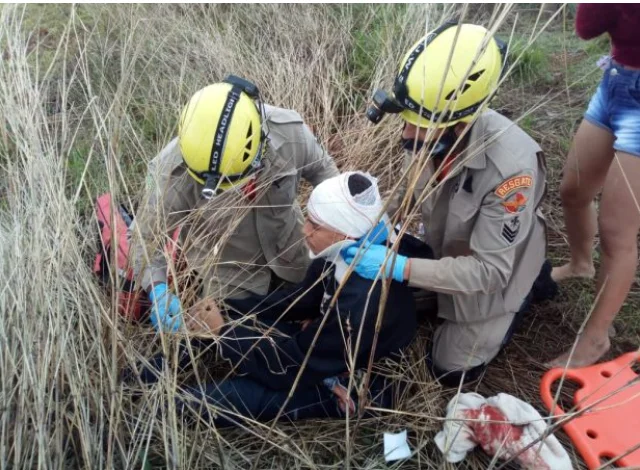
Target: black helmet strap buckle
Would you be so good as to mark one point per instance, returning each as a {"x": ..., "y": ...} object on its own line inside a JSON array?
[
  {"x": 211, "y": 181},
  {"x": 243, "y": 85}
]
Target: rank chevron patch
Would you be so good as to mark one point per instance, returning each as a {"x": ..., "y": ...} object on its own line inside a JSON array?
[{"x": 510, "y": 229}]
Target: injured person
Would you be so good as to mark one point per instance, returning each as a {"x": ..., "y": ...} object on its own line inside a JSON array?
[{"x": 294, "y": 351}]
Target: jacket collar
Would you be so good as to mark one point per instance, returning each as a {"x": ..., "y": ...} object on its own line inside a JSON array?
[
  {"x": 474, "y": 155},
  {"x": 480, "y": 138}
]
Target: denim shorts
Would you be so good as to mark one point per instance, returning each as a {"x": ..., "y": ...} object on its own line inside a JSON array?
[{"x": 616, "y": 106}]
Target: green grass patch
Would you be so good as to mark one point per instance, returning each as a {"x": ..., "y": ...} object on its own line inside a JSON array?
[
  {"x": 532, "y": 64},
  {"x": 374, "y": 25}
]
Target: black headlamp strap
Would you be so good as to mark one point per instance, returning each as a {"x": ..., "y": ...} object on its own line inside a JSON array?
[
  {"x": 222, "y": 130},
  {"x": 503, "y": 48}
]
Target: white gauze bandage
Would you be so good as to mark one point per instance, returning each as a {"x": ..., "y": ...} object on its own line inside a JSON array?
[{"x": 332, "y": 205}]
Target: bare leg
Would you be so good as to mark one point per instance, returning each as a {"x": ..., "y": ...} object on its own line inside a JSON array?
[
  {"x": 619, "y": 224},
  {"x": 584, "y": 174}
]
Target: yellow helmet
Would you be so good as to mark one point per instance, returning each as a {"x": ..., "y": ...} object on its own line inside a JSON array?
[
  {"x": 450, "y": 87},
  {"x": 436, "y": 87},
  {"x": 220, "y": 135}
]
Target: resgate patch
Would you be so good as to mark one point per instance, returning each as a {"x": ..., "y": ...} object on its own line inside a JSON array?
[{"x": 513, "y": 184}]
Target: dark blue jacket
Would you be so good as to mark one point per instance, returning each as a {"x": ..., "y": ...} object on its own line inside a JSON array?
[{"x": 275, "y": 359}]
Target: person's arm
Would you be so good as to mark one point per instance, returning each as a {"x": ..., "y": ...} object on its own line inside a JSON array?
[
  {"x": 502, "y": 224},
  {"x": 299, "y": 302},
  {"x": 316, "y": 165},
  {"x": 159, "y": 214},
  {"x": 594, "y": 19},
  {"x": 276, "y": 360}
]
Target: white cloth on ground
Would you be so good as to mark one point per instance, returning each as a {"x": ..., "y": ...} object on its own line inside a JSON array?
[
  {"x": 503, "y": 425},
  {"x": 396, "y": 446}
]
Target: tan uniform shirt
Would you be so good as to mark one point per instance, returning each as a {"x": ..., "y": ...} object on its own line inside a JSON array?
[
  {"x": 232, "y": 243},
  {"x": 483, "y": 223}
]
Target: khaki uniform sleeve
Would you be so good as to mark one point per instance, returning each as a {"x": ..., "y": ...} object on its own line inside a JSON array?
[
  {"x": 317, "y": 164},
  {"x": 503, "y": 223},
  {"x": 159, "y": 214}
]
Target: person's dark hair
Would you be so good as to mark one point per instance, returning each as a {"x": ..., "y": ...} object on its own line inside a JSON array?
[{"x": 358, "y": 184}]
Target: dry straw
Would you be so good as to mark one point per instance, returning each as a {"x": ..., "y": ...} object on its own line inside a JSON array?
[{"x": 86, "y": 101}]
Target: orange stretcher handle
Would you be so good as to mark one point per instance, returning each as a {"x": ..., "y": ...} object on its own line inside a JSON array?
[{"x": 547, "y": 381}]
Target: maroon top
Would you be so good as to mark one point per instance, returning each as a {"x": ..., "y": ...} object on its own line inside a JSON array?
[{"x": 620, "y": 20}]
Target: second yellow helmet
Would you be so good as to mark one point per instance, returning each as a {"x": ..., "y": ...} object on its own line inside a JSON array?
[{"x": 448, "y": 76}]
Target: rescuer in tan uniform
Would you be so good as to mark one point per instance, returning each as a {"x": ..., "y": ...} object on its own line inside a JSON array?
[
  {"x": 478, "y": 181},
  {"x": 230, "y": 182}
]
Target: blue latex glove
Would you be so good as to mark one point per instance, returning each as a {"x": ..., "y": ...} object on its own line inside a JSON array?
[
  {"x": 371, "y": 259},
  {"x": 166, "y": 311},
  {"x": 378, "y": 234}
]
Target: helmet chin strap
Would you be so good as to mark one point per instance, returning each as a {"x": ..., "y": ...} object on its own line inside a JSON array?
[{"x": 437, "y": 148}]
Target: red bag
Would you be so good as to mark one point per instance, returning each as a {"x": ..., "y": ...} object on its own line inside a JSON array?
[{"x": 132, "y": 302}]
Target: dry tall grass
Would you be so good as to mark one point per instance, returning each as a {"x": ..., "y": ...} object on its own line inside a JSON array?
[{"x": 85, "y": 105}]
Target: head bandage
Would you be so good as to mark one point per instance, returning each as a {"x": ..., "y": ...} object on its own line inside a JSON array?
[{"x": 332, "y": 205}]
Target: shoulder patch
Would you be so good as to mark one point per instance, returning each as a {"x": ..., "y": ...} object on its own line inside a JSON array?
[
  {"x": 512, "y": 184},
  {"x": 515, "y": 204}
]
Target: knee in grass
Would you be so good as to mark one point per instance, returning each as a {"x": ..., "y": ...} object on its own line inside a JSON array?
[{"x": 453, "y": 377}]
